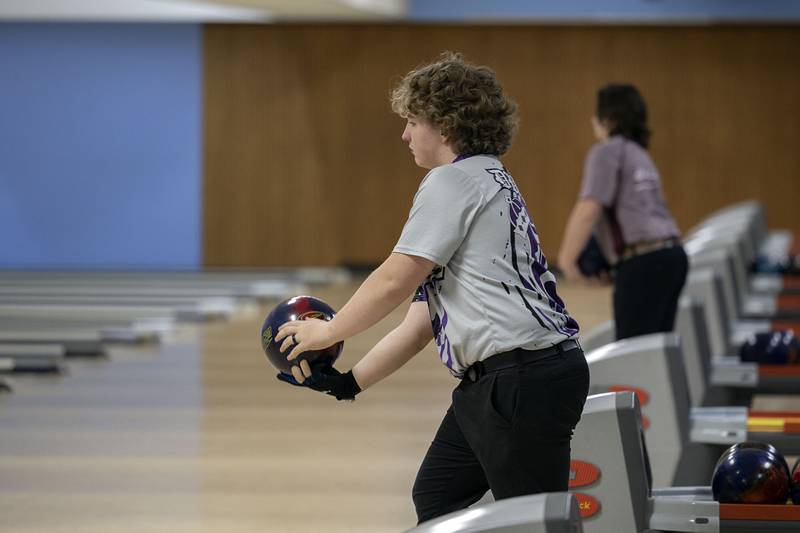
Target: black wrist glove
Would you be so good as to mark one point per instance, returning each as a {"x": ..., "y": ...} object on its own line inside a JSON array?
[{"x": 327, "y": 380}]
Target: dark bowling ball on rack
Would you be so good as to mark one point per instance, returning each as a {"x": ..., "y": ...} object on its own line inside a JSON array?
[
  {"x": 750, "y": 475},
  {"x": 297, "y": 308},
  {"x": 770, "y": 265},
  {"x": 779, "y": 347},
  {"x": 788, "y": 265},
  {"x": 795, "y": 489},
  {"x": 765, "y": 446}
]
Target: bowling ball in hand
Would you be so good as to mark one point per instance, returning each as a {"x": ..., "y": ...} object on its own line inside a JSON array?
[
  {"x": 592, "y": 262},
  {"x": 750, "y": 475},
  {"x": 297, "y": 308}
]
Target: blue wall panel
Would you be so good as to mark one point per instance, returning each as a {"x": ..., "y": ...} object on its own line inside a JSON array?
[
  {"x": 690, "y": 11},
  {"x": 100, "y": 146}
]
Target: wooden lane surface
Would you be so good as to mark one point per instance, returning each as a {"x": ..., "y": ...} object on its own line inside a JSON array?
[{"x": 196, "y": 435}]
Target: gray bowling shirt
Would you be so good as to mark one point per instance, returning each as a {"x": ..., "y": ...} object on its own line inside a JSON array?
[
  {"x": 491, "y": 290},
  {"x": 621, "y": 176}
]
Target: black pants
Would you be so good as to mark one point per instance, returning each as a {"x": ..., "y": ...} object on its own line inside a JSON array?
[
  {"x": 508, "y": 431},
  {"x": 646, "y": 292}
]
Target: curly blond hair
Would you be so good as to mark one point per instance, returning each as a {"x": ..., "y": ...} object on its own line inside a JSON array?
[{"x": 465, "y": 101}]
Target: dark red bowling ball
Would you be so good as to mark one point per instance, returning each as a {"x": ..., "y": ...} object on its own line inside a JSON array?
[
  {"x": 796, "y": 483},
  {"x": 297, "y": 308},
  {"x": 750, "y": 475}
]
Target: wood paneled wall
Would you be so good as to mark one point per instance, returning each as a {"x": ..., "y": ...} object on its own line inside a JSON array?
[{"x": 304, "y": 164}]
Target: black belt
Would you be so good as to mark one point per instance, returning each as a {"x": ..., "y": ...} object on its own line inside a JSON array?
[
  {"x": 517, "y": 357},
  {"x": 645, "y": 247}
]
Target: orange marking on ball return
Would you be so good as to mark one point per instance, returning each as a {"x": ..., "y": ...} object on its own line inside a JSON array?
[
  {"x": 766, "y": 420},
  {"x": 786, "y": 425},
  {"x": 791, "y": 325},
  {"x": 774, "y": 414},
  {"x": 789, "y": 301},
  {"x": 588, "y": 505},
  {"x": 582, "y": 473},
  {"x": 765, "y": 425},
  {"x": 642, "y": 395},
  {"x": 645, "y": 422},
  {"x": 794, "y": 247},
  {"x": 749, "y": 511},
  {"x": 779, "y": 370}
]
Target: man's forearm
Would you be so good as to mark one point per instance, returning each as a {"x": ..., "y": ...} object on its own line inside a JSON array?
[
  {"x": 384, "y": 289},
  {"x": 391, "y": 352}
]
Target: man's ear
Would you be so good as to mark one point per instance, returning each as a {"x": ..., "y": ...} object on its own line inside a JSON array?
[{"x": 444, "y": 138}]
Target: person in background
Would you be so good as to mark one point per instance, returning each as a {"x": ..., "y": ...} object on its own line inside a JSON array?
[{"x": 622, "y": 203}]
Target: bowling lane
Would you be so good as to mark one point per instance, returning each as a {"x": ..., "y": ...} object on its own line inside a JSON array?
[{"x": 196, "y": 435}]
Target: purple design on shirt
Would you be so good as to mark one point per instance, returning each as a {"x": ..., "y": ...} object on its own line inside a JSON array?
[
  {"x": 520, "y": 220},
  {"x": 438, "y": 324},
  {"x": 420, "y": 295},
  {"x": 442, "y": 342}
]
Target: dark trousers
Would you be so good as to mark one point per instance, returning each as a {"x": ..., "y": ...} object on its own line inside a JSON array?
[
  {"x": 646, "y": 292},
  {"x": 508, "y": 431}
]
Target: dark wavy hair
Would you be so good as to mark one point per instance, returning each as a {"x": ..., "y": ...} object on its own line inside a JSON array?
[
  {"x": 623, "y": 107},
  {"x": 465, "y": 101}
]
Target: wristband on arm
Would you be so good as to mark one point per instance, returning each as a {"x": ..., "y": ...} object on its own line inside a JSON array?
[{"x": 327, "y": 380}]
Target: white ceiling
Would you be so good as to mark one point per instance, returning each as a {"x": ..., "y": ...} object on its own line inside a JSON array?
[{"x": 199, "y": 10}]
